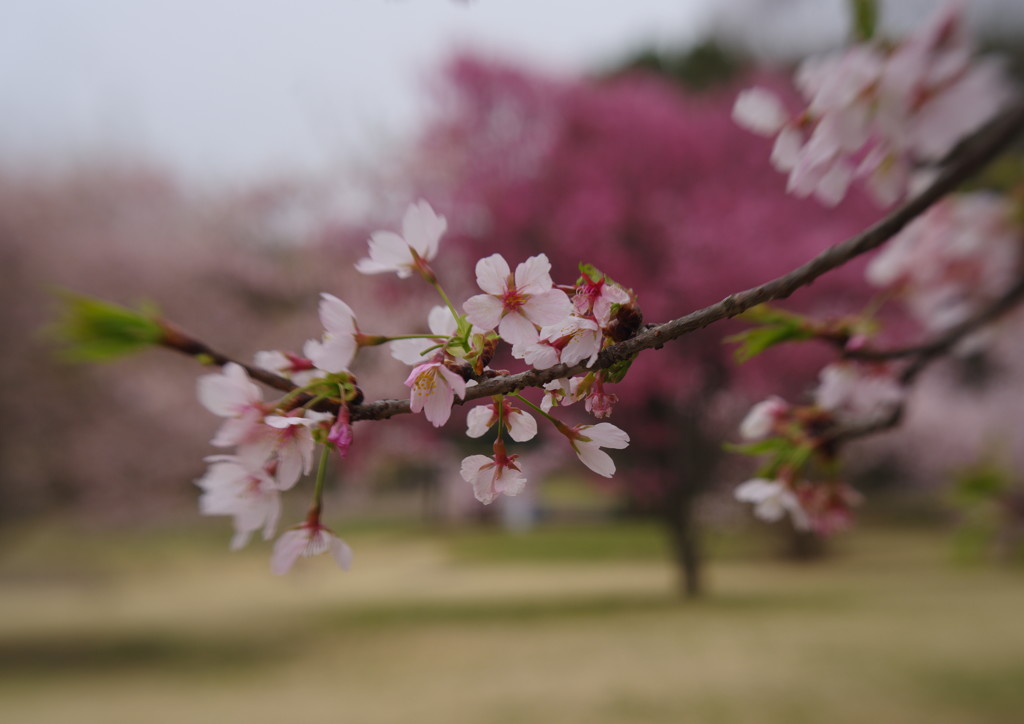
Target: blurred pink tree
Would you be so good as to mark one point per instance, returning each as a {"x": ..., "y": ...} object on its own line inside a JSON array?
[{"x": 660, "y": 188}]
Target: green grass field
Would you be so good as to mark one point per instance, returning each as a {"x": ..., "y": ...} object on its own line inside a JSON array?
[{"x": 564, "y": 625}]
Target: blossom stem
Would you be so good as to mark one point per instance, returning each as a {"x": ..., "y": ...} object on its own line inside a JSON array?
[
  {"x": 499, "y": 404},
  {"x": 561, "y": 426},
  {"x": 321, "y": 476},
  {"x": 447, "y": 301}
]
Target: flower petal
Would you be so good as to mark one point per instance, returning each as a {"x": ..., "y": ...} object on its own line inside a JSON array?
[
  {"x": 547, "y": 308},
  {"x": 287, "y": 550},
  {"x": 492, "y": 273},
  {"x": 533, "y": 276},
  {"x": 422, "y": 229},
  {"x": 484, "y": 311}
]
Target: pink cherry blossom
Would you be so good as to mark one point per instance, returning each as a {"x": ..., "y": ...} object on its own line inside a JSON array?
[
  {"x": 341, "y": 336},
  {"x": 491, "y": 477},
  {"x": 309, "y": 539},
  {"x": 403, "y": 254},
  {"x": 598, "y": 402},
  {"x": 587, "y": 441},
  {"x": 250, "y": 495},
  {"x": 772, "y": 499},
  {"x": 518, "y": 304},
  {"x": 341, "y": 432},
  {"x": 520, "y": 424},
  {"x": 432, "y": 390}
]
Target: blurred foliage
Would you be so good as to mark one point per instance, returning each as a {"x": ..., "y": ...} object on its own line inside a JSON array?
[
  {"x": 706, "y": 65},
  {"x": 775, "y": 326},
  {"x": 992, "y": 514}
]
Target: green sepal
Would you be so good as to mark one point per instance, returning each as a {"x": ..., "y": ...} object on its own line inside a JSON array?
[
  {"x": 91, "y": 330},
  {"x": 782, "y": 452},
  {"x": 617, "y": 371}
]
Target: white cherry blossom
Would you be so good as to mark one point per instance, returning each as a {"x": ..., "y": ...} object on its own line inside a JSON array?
[
  {"x": 290, "y": 443},
  {"x": 587, "y": 441},
  {"x": 520, "y": 424},
  {"x": 250, "y": 495},
  {"x": 493, "y": 476},
  {"x": 762, "y": 417},
  {"x": 231, "y": 394},
  {"x": 772, "y": 499},
  {"x": 309, "y": 539},
  {"x": 341, "y": 336},
  {"x": 517, "y": 304},
  {"x": 405, "y": 253}
]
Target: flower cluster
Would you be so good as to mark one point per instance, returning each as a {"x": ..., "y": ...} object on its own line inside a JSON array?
[
  {"x": 878, "y": 110},
  {"x": 953, "y": 260},
  {"x": 799, "y": 438},
  {"x": 544, "y": 324}
]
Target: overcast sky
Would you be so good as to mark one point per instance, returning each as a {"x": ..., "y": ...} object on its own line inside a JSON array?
[{"x": 228, "y": 89}]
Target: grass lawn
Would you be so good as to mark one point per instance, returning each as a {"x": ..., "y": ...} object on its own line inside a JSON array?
[{"x": 564, "y": 625}]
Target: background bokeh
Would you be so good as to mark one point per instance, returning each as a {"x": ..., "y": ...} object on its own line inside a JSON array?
[{"x": 227, "y": 163}]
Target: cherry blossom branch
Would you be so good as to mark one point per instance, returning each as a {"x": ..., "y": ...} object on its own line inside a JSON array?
[
  {"x": 971, "y": 156},
  {"x": 943, "y": 343},
  {"x": 923, "y": 355}
]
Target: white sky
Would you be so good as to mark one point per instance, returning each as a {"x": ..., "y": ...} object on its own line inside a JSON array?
[
  {"x": 228, "y": 89},
  {"x": 225, "y": 88}
]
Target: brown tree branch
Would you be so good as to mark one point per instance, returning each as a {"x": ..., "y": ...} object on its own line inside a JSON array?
[{"x": 920, "y": 357}]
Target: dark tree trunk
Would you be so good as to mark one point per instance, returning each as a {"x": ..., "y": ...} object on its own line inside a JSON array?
[{"x": 690, "y": 468}]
